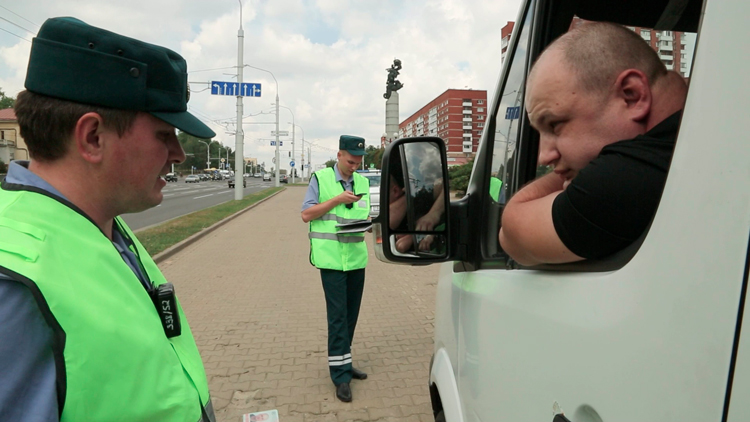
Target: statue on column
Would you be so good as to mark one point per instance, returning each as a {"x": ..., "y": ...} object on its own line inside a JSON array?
[{"x": 392, "y": 84}]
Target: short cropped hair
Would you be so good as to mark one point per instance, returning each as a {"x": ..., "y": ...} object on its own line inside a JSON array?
[
  {"x": 599, "y": 51},
  {"x": 47, "y": 123}
]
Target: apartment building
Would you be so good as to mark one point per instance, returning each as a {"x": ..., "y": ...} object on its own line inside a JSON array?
[
  {"x": 671, "y": 46},
  {"x": 457, "y": 116}
]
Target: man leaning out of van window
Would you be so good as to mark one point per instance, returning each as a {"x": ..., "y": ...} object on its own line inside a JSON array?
[{"x": 607, "y": 124}]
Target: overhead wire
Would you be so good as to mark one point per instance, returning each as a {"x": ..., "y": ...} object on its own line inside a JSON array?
[
  {"x": 15, "y": 35},
  {"x": 17, "y": 25},
  {"x": 35, "y": 24}
]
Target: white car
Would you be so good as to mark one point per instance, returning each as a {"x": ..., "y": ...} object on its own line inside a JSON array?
[
  {"x": 374, "y": 177},
  {"x": 266, "y": 177}
]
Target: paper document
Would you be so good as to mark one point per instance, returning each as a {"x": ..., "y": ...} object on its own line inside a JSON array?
[{"x": 265, "y": 416}]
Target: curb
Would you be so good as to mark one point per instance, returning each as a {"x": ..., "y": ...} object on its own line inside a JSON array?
[{"x": 177, "y": 247}]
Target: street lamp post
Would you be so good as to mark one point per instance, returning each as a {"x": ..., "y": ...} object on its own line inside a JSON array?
[
  {"x": 277, "y": 120},
  {"x": 208, "y": 155},
  {"x": 302, "y": 149},
  {"x": 290, "y": 110},
  {"x": 239, "y": 154}
]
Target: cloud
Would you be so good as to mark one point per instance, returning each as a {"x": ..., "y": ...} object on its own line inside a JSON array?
[{"x": 328, "y": 57}]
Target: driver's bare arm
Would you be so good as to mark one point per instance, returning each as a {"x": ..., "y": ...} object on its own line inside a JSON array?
[{"x": 527, "y": 232}]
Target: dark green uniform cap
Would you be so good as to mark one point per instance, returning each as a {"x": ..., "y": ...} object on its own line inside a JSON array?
[
  {"x": 354, "y": 145},
  {"x": 74, "y": 61}
]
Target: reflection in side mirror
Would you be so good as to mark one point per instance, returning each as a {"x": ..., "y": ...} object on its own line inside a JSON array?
[
  {"x": 414, "y": 202},
  {"x": 418, "y": 245}
]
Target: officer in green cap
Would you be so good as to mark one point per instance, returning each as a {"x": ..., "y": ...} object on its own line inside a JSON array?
[
  {"x": 90, "y": 328},
  {"x": 340, "y": 195}
]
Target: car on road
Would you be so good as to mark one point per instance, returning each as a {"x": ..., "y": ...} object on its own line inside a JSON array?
[
  {"x": 374, "y": 177},
  {"x": 283, "y": 178},
  {"x": 204, "y": 177},
  {"x": 267, "y": 177},
  {"x": 170, "y": 177},
  {"x": 256, "y": 175},
  {"x": 193, "y": 178},
  {"x": 230, "y": 183}
]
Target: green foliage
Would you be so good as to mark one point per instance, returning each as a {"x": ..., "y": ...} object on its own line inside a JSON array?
[
  {"x": 458, "y": 176},
  {"x": 3, "y": 167},
  {"x": 195, "y": 149},
  {"x": 330, "y": 163},
  {"x": 6, "y": 102},
  {"x": 163, "y": 236},
  {"x": 373, "y": 155}
]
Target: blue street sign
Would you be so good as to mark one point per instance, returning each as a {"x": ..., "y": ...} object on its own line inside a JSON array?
[
  {"x": 512, "y": 113},
  {"x": 291, "y": 163},
  {"x": 273, "y": 143},
  {"x": 234, "y": 89}
]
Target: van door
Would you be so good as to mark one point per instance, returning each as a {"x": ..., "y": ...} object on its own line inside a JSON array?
[{"x": 651, "y": 337}]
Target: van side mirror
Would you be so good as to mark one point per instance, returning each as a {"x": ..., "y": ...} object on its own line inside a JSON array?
[{"x": 414, "y": 203}]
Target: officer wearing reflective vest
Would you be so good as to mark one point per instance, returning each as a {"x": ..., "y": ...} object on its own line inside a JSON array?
[
  {"x": 340, "y": 195},
  {"x": 90, "y": 330}
]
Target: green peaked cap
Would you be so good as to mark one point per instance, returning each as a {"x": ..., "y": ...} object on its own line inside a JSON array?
[
  {"x": 74, "y": 61},
  {"x": 354, "y": 145}
]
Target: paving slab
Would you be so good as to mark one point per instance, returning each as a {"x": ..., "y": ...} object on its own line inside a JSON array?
[{"x": 257, "y": 311}]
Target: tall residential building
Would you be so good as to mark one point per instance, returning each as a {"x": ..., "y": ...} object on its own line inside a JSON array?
[
  {"x": 505, "y": 33},
  {"x": 457, "y": 116},
  {"x": 669, "y": 45}
]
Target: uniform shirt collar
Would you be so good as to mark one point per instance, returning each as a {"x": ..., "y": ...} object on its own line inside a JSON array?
[
  {"x": 19, "y": 174},
  {"x": 339, "y": 178}
]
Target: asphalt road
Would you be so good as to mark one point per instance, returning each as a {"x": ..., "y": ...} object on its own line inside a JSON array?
[{"x": 182, "y": 198}]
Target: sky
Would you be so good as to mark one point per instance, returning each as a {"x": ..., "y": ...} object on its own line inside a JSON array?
[{"x": 328, "y": 57}]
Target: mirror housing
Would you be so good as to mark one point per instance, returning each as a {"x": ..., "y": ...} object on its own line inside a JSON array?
[{"x": 414, "y": 222}]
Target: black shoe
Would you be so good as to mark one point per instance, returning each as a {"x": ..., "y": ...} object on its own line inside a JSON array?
[
  {"x": 344, "y": 392},
  {"x": 358, "y": 375}
]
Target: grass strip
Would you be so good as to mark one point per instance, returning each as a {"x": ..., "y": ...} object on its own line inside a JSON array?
[{"x": 161, "y": 237}]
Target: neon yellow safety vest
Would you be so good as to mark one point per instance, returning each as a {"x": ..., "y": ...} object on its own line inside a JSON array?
[
  {"x": 332, "y": 251},
  {"x": 113, "y": 360},
  {"x": 495, "y": 185}
]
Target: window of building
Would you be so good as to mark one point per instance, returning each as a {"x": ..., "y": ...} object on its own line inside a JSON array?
[{"x": 480, "y": 109}]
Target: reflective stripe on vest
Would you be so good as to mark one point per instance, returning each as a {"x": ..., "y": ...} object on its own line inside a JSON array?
[
  {"x": 328, "y": 249},
  {"x": 343, "y": 238},
  {"x": 114, "y": 361}
]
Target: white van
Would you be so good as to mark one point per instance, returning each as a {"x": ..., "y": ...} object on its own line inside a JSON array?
[{"x": 652, "y": 333}]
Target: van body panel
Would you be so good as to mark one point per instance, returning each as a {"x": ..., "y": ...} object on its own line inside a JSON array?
[
  {"x": 442, "y": 375},
  {"x": 652, "y": 340}
]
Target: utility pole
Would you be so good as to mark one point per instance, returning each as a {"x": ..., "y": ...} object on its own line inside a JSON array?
[
  {"x": 239, "y": 154},
  {"x": 293, "y": 125}
]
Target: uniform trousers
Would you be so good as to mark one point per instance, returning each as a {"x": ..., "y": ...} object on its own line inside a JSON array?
[{"x": 343, "y": 290}]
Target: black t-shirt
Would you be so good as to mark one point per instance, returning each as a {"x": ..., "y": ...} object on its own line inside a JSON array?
[{"x": 613, "y": 199}]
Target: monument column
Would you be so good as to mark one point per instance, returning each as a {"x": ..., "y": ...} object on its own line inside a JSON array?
[
  {"x": 391, "y": 105},
  {"x": 391, "y": 118}
]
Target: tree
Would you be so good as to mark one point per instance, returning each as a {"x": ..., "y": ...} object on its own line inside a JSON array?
[
  {"x": 330, "y": 163},
  {"x": 196, "y": 152},
  {"x": 458, "y": 176},
  {"x": 374, "y": 156},
  {"x": 6, "y": 102}
]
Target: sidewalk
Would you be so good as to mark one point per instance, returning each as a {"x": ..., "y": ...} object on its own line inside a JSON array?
[{"x": 257, "y": 310}]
